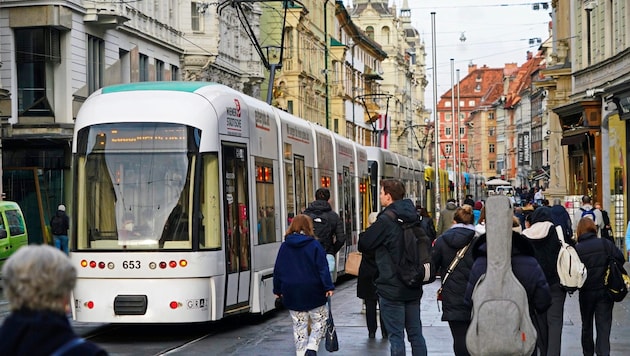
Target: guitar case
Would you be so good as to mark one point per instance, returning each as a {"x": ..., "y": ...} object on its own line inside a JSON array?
[{"x": 501, "y": 324}]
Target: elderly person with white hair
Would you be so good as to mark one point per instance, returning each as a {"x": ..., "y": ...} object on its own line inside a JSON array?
[{"x": 37, "y": 282}]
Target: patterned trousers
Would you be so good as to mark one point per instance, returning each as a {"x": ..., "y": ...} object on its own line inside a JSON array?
[{"x": 304, "y": 340}]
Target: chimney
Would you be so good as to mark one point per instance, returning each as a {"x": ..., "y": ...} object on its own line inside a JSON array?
[
  {"x": 472, "y": 68},
  {"x": 510, "y": 67}
]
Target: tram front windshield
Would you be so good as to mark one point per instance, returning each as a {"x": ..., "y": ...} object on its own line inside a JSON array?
[{"x": 133, "y": 185}]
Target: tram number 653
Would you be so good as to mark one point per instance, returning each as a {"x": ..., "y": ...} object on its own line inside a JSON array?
[{"x": 131, "y": 264}]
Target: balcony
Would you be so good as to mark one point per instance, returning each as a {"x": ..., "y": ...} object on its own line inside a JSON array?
[{"x": 106, "y": 14}]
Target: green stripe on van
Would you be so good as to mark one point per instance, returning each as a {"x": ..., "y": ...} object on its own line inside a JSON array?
[{"x": 170, "y": 86}]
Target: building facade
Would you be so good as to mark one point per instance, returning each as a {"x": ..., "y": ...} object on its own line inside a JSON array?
[
  {"x": 56, "y": 53},
  {"x": 403, "y": 128},
  {"x": 594, "y": 36}
]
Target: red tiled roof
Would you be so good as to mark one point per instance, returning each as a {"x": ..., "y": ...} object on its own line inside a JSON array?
[{"x": 484, "y": 84}]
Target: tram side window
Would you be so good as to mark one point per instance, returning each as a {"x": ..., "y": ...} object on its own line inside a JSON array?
[
  {"x": 265, "y": 203},
  {"x": 310, "y": 182},
  {"x": 210, "y": 234},
  {"x": 290, "y": 191},
  {"x": 301, "y": 199}
]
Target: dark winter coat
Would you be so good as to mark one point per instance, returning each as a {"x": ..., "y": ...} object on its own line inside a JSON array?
[
  {"x": 60, "y": 223},
  {"x": 593, "y": 252},
  {"x": 383, "y": 238},
  {"x": 366, "y": 289},
  {"x": 524, "y": 266},
  {"x": 606, "y": 230},
  {"x": 542, "y": 235},
  {"x": 332, "y": 244},
  {"x": 428, "y": 227},
  {"x": 301, "y": 274},
  {"x": 560, "y": 216},
  {"x": 446, "y": 247},
  {"x": 36, "y": 333}
]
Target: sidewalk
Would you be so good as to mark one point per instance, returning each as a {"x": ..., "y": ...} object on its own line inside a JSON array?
[{"x": 352, "y": 333}]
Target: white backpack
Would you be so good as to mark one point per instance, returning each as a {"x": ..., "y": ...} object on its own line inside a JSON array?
[{"x": 571, "y": 270}]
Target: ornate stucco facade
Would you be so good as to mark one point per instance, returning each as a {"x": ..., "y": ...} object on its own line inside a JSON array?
[{"x": 404, "y": 74}]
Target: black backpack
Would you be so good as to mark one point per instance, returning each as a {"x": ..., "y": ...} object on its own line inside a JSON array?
[
  {"x": 57, "y": 225},
  {"x": 414, "y": 268},
  {"x": 321, "y": 226},
  {"x": 429, "y": 228}
]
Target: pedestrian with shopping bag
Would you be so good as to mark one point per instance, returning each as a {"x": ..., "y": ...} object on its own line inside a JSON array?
[{"x": 301, "y": 278}]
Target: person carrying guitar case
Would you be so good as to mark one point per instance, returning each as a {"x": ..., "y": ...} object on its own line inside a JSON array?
[{"x": 501, "y": 320}]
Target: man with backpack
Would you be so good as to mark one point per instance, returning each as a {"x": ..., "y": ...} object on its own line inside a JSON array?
[
  {"x": 59, "y": 225},
  {"x": 399, "y": 304},
  {"x": 587, "y": 210},
  {"x": 327, "y": 226}
]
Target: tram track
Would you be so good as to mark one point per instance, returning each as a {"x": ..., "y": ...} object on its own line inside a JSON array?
[{"x": 231, "y": 334}]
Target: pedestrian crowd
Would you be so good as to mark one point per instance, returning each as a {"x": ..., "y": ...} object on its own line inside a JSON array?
[
  {"x": 37, "y": 280},
  {"x": 458, "y": 249}
]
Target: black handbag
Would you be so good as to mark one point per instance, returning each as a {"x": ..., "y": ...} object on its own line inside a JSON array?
[
  {"x": 613, "y": 278},
  {"x": 332, "y": 344}
]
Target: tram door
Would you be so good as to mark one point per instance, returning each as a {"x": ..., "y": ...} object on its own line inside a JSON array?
[{"x": 237, "y": 227}]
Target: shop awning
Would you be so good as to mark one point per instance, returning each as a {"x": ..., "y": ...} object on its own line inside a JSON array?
[{"x": 573, "y": 140}]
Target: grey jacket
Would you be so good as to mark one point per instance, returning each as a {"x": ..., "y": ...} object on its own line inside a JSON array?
[{"x": 446, "y": 218}]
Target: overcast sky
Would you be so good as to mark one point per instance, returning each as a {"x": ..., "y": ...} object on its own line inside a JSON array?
[{"x": 496, "y": 32}]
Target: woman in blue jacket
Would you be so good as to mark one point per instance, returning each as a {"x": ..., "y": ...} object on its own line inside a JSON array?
[{"x": 301, "y": 278}]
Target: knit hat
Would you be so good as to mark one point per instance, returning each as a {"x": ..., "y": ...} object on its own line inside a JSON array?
[
  {"x": 478, "y": 205},
  {"x": 61, "y": 207}
]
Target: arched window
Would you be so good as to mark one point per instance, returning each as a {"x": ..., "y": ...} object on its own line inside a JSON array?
[
  {"x": 385, "y": 31},
  {"x": 370, "y": 32}
]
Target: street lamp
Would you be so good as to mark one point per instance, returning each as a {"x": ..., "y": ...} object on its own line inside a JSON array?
[{"x": 373, "y": 118}]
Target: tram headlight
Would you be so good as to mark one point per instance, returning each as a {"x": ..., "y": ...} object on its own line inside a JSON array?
[
  {"x": 93, "y": 264},
  {"x": 84, "y": 263},
  {"x": 172, "y": 264},
  {"x": 101, "y": 265},
  {"x": 174, "y": 305},
  {"x": 152, "y": 265},
  {"x": 183, "y": 263},
  {"x": 162, "y": 265},
  {"x": 110, "y": 265},
  {"x": 89, "y": 305}
]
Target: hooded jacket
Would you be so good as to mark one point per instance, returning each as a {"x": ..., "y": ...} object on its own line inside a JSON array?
[
  {"x": 27, "y": 332},
  {"x": 444, "y": 251},
  {"x": 331, "y": 244},
  {"x": 301, "y": 273},
  {"x": 524, "y": 266},
  {"x": 384, "y": 238},
  {"x": 542, "y": 235},
  {"x": 560, "y": 216},
  {"x": 446, "y": 217},
  {"x": 60, "y": 223}
]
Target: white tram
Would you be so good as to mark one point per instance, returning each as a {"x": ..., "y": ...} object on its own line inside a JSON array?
[{"x": 183, "y": 192}]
